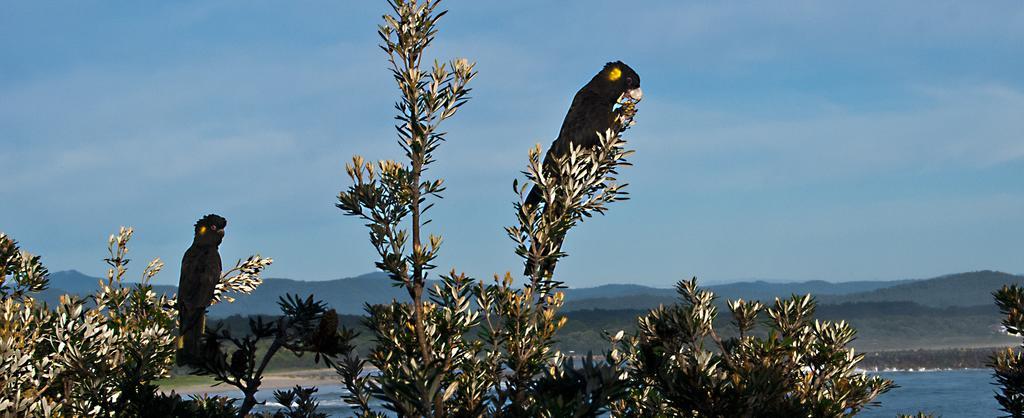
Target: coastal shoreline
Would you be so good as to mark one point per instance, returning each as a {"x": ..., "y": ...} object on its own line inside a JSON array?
[{"x": 275, "y": 380}]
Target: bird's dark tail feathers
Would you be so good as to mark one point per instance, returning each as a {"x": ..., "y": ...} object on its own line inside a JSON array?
[{"x": 190, "y": 337}]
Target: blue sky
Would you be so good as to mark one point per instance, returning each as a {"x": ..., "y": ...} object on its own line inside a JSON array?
[{"x": 779, "y": 140}]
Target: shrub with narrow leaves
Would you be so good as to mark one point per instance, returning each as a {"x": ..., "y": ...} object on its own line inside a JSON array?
[
  {"x": 1008, "y": 365},
  {"x": 679, "y": 365},
  {"x": 466, "y": 348},
  {"x": 298, "y": 402},
  {"x": 307, "y": 326},
  {"x": 83, "y": 357},
  {"x": 99, "y": 355}
]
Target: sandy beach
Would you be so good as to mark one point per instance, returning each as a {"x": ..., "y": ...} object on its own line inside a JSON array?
[{"x": 271, "y": 381}]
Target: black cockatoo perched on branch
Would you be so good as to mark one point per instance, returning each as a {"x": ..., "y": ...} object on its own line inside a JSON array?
[
  {"x": 592, "y": 112},
  {"x": 200, "y": 273}
]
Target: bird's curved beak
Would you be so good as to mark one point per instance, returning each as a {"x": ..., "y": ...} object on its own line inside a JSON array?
[{"x": 635, "y": 94}]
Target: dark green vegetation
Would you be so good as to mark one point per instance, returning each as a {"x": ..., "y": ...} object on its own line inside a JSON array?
[
  {"x": 964, "y": 289},
  {"x": 954, "y": 290},
  {"x": 925, "y": 317},
  {"x": 306, "y": 328},
  {"x": 947, "y": 358}
]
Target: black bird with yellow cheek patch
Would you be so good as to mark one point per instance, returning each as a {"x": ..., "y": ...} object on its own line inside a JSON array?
[
  {"x": 200, "y": 273},
  {"x": 592, "y": 112}
]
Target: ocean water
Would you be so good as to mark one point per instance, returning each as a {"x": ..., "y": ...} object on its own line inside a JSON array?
[{"x": 949, "y": 394}]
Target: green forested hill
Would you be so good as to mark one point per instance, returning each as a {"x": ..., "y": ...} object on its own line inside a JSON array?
[
  {"x": 962, "y": 289},
  {"x": 954, "y": 290},
  {"x": 621, "y": 296},
  {"x": 880, "y": 326}
]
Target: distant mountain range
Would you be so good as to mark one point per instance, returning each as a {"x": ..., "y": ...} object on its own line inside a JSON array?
[
  {"x": 350, "y": 294},
  {"x": 346, "y": 295},
  {"x": 624, "y": 296}
]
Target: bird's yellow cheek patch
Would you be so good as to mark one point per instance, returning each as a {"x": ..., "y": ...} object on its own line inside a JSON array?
[
  {"x": 202, "y": 230},
  {"x": 615, "y": 74}
]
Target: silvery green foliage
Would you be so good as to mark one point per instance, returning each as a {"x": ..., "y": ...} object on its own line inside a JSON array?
[
  {"x": 520, "y": 324},
  {"x": 24, "y": 374},
  {"x": 21, "y": 273},
  {"x": 78, "y": 358},
  {"x": 419, "y": 344},
  {"x": 22, "y": 322},
  {"x": 1008, "y": 364},
  {"x": 428, "y": 362},
  {"x": 574, "y": 186},
  {"x": 96, "y": 356},
  {"x": 243, "y": 278},
  {"x": 680, "y": 366}
]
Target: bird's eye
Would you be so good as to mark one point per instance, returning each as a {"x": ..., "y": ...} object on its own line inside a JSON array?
[{"x": 629, "y": 81}]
